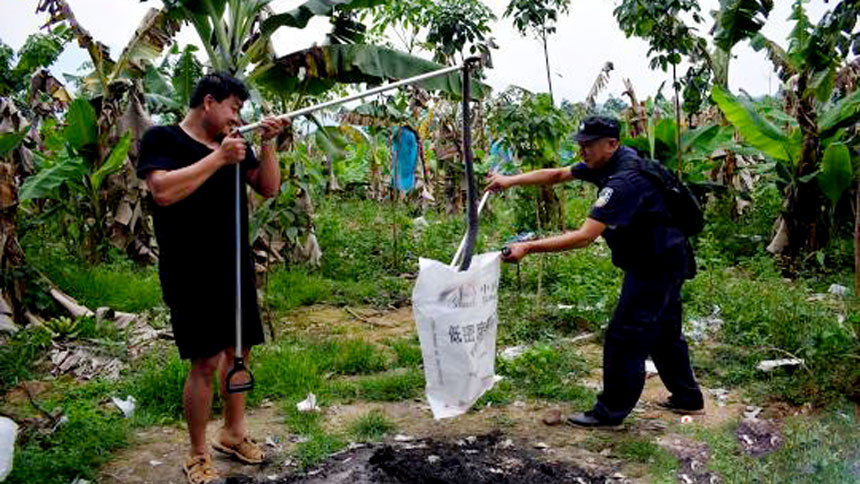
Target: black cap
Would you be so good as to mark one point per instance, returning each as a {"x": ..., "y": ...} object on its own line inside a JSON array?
[{"x": 597, "y": 127}]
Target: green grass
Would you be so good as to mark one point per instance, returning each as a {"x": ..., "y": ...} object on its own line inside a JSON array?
[
  {"x": 76, "y": 449},
  {"x": 548, "y": 373},
  {"x": 119, "y": 283},
  {"x": 660, "y": 463},
  {"x": 157, "y": 385},
  {"x": 371, "y": 426},
  {"x": 767, "y": 318},
  {"x": 19, "y": 355},
  {"x": 80, "y": 445},
  {"x": 818, "y": 449},
  {"x": 390, "y": 387},
  {"x": 317, "y": 445},
  {"x": 407, "y": 351}
]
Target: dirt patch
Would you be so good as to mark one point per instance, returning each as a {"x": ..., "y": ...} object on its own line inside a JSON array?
[
  {"x": 759, "y": 437},
  {"x": 489, "y": 459},
  {"x": 157, "y": 453},
  {"x": 692, "y": 457},
  {"x": 17, "y": 395},
  {"x": 370, "y": 324}
]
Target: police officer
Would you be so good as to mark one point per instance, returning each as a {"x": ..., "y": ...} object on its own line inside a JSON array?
[{"x": 633, "y": 218}]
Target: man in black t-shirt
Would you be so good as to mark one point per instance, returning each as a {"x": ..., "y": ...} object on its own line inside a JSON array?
[
  {"x": 190, "y": 171},
  {"x": 632, "y": 216}
]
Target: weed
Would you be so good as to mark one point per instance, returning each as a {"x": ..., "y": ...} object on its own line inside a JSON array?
[
  {"x": 18, "y": 357},
  {"x": 821, "y": 449},
  {"x": 661, "y": 464},
  {"x": 157, "y": 386},
  {"x": 76, "y": 449},
  {"x": 371, "y": 426},
  {"x": 408, "y": 353},
  {"x": 350, "y": 357},
  {"x": 317, "y": 444},
  {"x": 317, "y": 448},
  {"x": 548, "y": 373},
  {"x": 393, "y": 386},
  {"x": 118, "y": 284}
]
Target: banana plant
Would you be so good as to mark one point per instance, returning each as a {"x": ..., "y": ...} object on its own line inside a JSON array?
[
  {"x": 73, "y": 178},
  {"x": 237, "y": 38},
  {"x": 833, "y": 174},
  {"x": 116, "y": 90},
  {"x": 809, "y": 67}
]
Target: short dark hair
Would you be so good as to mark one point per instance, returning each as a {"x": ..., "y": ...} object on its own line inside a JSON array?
[{"x": 219, "y": 85}]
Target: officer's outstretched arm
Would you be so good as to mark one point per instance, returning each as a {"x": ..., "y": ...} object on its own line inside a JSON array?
[
  {"x": 575, "y": 239},
  {"x": 547, "y": 176}
]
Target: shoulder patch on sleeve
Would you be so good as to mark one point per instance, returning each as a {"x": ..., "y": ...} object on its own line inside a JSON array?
[{"x": 603, "y": 197}]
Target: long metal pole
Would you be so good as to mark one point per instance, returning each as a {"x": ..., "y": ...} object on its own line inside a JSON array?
[
  {"x": 353, "y": 97},
  {"x": 238, "y": 215}
]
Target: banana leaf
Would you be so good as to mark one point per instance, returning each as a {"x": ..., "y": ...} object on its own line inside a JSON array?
[
  {"x": 155, "y": 32},
  {"x": 845, "y": 113},
  {"x": 81, "y": 125},
  {"x": 317, "y": 69},
  {"x": 10, "y": 141},
  {"x": 740, "y": 19},
  {"x": 113, "y": 162},
  {"x": 300, "y": 16},
  {"x": 45, "y": 183},
  {"x": 755, "y": 129},
  {"x": 836, "y": 173}
]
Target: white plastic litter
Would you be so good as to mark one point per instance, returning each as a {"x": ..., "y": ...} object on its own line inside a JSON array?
[
  {"x": 8, "y": 433},
  {"x": 456, "y": 315},
  {"x": 420, "y": 223},
  {"x": 838, "y": 290},
  {"x": 127, "y": 405},
  {"x": 309, "y": 404},
  {"x": 769, "y": 365},
  {"x": 513, "y": 352}
]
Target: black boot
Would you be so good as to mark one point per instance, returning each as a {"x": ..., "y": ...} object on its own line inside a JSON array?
[
  {"x": 588, "y": 420},
  {"x": 676, "y": 407}
]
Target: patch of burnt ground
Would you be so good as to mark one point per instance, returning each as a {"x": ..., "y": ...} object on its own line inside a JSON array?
[{"x": 489, "y": 459}]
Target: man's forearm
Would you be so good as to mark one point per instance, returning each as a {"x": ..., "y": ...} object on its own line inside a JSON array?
[
  {"x": 169, "y": 187},
  {"x": 266, "y": 179},
  {"x": 575, "y": 239},
  {"x": 547, "y": 176}
]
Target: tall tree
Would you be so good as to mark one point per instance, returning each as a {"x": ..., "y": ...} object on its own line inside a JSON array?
[
  {"x": 538, "y": 17},
  {"x": 403, "y": 18},
  {"x": 670, "y": 39},
  {"x": 458, "y": 26}
]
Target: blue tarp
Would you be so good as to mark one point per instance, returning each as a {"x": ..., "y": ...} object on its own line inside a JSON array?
[{"x": 405, "y": 146}]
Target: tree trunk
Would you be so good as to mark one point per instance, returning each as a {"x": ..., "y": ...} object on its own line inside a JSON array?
[
  {"x": 806, "y": 221},
  {"x": 546, "y": 58},
  {"x": 549, "y": 212}
]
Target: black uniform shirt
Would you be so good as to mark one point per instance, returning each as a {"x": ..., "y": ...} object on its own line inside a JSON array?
[
  {"x": 196, "y": 236},
  {"x": 639, "y": 231}
]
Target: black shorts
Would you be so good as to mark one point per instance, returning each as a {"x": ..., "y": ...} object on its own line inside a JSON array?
[{"x": 202, "y": 333}]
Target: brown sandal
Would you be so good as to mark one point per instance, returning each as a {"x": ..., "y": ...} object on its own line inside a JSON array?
[
  {"x": 246, "y": 451},
  {"x": 199, "y": 470}
]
